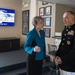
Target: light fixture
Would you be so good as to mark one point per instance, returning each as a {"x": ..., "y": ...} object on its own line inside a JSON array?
[{"x": 26, "y": 4}]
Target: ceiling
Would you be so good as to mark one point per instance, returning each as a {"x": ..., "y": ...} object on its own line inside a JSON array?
[{"x": 65, "y": 2}]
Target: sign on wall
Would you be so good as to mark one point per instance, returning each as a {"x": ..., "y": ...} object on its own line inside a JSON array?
[{"x": 25, "y": 22}]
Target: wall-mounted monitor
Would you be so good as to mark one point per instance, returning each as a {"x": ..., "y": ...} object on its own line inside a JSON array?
[{"x": 7, "y": 17}]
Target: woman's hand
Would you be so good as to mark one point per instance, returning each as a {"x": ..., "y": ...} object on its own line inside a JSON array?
[{"x": 36, "y": 49}]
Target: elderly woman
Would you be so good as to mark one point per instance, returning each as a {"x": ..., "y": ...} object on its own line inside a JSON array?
[{"x": 35, "y": 47}]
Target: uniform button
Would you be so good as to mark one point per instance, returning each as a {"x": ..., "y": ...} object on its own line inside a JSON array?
[
  {"x": 65, "y": 34},
  {"x": 68, "y": 42},
  {"x": 68, "y": 38},
  {"x": 62, "y": 43},
  {"x": 66, "y": 26},
  {"x": 63, "y": 38},
  {"x": 66, "y": 29}
]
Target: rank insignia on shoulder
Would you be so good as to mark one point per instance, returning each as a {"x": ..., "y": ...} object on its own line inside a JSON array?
[{"x": 71, "y": 32}]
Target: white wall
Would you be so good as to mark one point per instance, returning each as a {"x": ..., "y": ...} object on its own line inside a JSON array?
[
  {"x": 52, "y": 27},
  {"x": 32, "y": 7}
]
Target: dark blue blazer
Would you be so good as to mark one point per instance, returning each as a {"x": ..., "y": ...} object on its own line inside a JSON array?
[{"x": 32, "y": 40}]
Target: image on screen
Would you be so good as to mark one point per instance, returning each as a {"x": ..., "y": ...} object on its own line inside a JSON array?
[{"x": 7, "y": 17}]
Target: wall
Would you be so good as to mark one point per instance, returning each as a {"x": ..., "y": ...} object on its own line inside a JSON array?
[
  {"x": 16, "y": 30},
  {"x": 32, "y": 7},
  {"x": 59, "y": 16},
  {"x": 24, "y": 8}
]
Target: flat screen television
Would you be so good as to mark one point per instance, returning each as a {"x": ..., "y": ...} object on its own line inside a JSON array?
[{"x": 7, "y": 17}]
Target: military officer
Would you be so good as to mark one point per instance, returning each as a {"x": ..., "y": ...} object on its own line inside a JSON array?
[{"x": 65, "y": 55}]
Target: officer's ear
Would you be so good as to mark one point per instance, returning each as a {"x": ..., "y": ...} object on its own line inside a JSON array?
[{"x": 73, "y": 18}]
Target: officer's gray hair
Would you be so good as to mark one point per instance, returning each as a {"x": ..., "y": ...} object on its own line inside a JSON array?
[{"x": 71, "y": 12}]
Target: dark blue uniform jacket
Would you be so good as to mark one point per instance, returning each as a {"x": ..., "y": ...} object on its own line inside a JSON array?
[{"x": 66, "y": 49}]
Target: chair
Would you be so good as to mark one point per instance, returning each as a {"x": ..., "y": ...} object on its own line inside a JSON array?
[{"x": 53, "y": 67}]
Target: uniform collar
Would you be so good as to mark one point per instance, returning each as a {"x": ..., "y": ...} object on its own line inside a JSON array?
[
  {"x": 68, "y": 27},
  {"x": 72, "y": 25}
]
